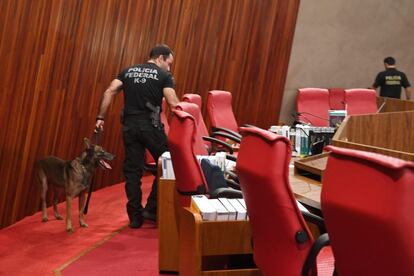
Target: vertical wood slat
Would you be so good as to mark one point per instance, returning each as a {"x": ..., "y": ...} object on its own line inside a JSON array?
[{"x": 57, "y": 57}]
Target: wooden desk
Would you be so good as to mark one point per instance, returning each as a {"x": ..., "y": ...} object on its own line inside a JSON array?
[
  {"x": 167, "y": 227},
  {"x": 199, "y": 237},
  {"x": 205, "y": 244},
  {"x": 306, "y": 190}
]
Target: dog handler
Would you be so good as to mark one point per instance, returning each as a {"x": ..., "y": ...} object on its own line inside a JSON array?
[{"x": 144, "y": 87}]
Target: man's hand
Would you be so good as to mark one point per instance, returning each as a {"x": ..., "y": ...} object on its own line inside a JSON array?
[
  {"x": 408, "y": 93},
  {"x": 99, "y": 125}
]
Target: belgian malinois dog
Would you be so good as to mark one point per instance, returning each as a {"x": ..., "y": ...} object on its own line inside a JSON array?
[{"x": 71, "y": 176}]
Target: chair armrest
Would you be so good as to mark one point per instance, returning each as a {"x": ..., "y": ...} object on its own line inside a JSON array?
[
  {"x": 220, "y": 142},
  {"x": 321, "y": 241},
  {"x": 215, "y": 129},
  {"x": 226, "y": 135},
  {"x": 232, "y": 176},
  {"x": 233, "y": 184},
  {"x": 226, "y": 193},
  {"x": 315, "y": 219},
  {"x": 248, "y": 125}
]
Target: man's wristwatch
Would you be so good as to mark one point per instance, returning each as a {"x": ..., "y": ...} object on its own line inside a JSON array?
[{"x": 99, "y": 118}]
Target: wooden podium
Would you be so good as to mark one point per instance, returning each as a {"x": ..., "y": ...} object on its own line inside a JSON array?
[
  {"x": 394, "y": 105},
  {"x": 390, "y": 133}
]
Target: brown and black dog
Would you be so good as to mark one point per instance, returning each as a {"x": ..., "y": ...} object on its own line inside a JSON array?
[{"x": 73, "y": 177}]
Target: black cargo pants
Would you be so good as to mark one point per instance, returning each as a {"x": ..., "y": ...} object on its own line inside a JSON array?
[{"x": 139, "y": 135}]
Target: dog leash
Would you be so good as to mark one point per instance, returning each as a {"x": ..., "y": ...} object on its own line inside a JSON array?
[{"x": 97, "y": 136}]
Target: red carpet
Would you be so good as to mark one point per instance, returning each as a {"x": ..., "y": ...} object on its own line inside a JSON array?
[
  {"x": 131, "y": 252},
  {"x": 36, "y": 248}
]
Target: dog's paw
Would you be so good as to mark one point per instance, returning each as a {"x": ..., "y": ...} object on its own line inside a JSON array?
[
  {"x": 69, "y": 230},
  {"x": 84, "y": 225},
  {"x": 59, "y": 217},
  {"x": 44, "y": 219}
]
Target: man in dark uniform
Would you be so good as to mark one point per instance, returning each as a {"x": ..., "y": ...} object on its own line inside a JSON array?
[
  {"x": 144, "y": 86},
  {"x": 391, "y": 80}
]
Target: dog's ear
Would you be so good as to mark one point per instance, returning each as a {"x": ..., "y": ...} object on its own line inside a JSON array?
[{"x": 87, "y": 142}]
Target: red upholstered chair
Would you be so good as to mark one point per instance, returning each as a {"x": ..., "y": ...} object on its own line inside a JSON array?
[
  {"x": 337, "y": 98},
  {"x": 282, "y": 241},
  {"x": 220, "y": 112},
  {"x": 312, "y": 105},
  {"x": 184, "y": 145},
  {"x": 367, "y": 202},
  {"x": 193, "y": 98},
  {"x": 183, "y": 148},
  {"x": 360, "y": 101},
  {"x": 209, "y": 142}
]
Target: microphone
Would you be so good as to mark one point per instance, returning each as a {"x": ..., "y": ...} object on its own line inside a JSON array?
[
  {"x": 313, "y": 115},
  {"x": 297, "y": 121}
]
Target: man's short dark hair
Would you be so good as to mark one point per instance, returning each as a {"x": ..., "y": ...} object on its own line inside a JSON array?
[
  {"x": 161, "y": 49},
  {"x": 389, "y": 60}
]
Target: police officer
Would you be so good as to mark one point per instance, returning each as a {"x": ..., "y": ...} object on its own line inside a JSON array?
[
  {"x": 391, "y": 80},
  {"x": 144, "y": 87}
]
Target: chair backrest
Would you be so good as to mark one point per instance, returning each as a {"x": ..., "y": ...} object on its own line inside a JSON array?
[
  {"x": 262, "y": 166},
  {"x": 337, "y": 98},
  {"x": 367, "y": 202},
  {"x": 184, "y": 145},
  {"x": 193, "y": 98},
  {"x": 312, "y": 105},
  {"x": 220, "y": 110},
  {"x": 360, "y": 101},
  {"x": 194, "y": 111}
]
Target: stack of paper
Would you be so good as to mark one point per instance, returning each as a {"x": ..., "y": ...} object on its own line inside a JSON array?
[
  {"x": 222, "y": 212},
  {"x": 201, "y": 204},
  {"x": 241, "y": 211},
  {"x": 229, "y": 207}
]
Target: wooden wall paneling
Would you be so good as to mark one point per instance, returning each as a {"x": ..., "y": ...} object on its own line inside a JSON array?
[{"x": 57, "y": 58}]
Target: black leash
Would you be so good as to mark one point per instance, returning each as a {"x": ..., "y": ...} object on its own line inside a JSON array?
[{"x": 97, "y": 136}]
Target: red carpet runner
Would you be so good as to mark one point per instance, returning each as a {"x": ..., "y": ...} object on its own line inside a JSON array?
[
  {"x": 131, "y": 252},
  {"x": 36, "y": 248}
]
